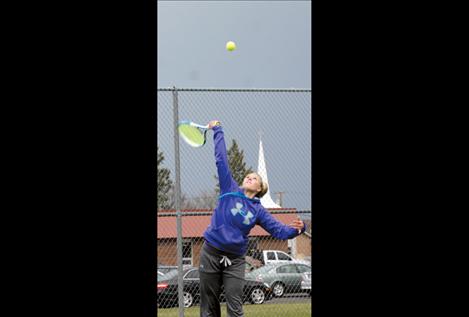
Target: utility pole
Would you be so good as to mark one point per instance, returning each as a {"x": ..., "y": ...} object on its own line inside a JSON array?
[{"x": 279, "y": 198}]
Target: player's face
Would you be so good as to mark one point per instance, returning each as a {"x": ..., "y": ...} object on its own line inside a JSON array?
[{"x": 252, "y": 182}]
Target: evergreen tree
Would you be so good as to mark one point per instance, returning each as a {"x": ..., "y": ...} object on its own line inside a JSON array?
[
  {"x": 238, "y": 167},
  {"x": 165, "y": 183}
]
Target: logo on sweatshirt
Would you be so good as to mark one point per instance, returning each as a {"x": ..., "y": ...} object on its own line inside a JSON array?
[{"x": 247, "y": 215}]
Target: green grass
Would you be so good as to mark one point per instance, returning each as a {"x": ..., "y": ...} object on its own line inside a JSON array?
[{"x": 264, "y": 310}]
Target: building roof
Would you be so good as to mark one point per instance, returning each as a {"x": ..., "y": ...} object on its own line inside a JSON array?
[{"x": 195, "y": 226}]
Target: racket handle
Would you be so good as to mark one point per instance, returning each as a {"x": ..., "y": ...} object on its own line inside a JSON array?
[{"x": 213, "y": 123}]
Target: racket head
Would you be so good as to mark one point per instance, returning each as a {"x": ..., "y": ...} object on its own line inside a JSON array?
[{"x": 192, "y": 135}]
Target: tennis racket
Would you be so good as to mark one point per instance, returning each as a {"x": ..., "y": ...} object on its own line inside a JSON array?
[{"x": 193, "y": 133}]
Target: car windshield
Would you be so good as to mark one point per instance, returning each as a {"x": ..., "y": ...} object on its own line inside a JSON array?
[
  {"x": 169, "y": 275},
  {"x": 261, "y": 270},
  {"x": 283, "y": 257}
]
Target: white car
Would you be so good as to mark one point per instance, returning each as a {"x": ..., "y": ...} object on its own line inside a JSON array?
[{"x": 277, "y": 256}]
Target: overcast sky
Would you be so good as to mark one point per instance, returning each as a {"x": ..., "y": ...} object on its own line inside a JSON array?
[
  {"x": 273, "y": 51},
  {"x": 273, "y": 44}
]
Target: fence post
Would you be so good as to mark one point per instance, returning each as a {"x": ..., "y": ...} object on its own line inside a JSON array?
[{"x": 178, "y": 203}]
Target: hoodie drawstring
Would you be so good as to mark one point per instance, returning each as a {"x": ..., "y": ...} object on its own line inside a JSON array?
[{"x": 225, "y": 260}]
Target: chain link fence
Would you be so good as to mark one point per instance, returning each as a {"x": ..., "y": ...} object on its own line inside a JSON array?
[{"x": 271, "y": 124}]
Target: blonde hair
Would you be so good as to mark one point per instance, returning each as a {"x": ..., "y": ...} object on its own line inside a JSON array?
[{"x": 264, "y": 187}]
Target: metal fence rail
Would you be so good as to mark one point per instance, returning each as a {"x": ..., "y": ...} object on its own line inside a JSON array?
[
  {"x": 209, "y": 213},
  {"x": 281, "y": 120}
]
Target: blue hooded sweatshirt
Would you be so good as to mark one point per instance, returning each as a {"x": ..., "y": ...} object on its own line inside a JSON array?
[{"x": 236, "y": 214}]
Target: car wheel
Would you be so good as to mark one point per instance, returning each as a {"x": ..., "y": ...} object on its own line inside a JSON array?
[
  {"x": 188, "y": 299},
  {"x": 278, "y": 289},
  {"x": 257, "y": 296}
]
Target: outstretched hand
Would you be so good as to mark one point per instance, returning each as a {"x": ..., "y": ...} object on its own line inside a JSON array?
[
  {"x": 213, "y": 123},
  {"x": 298, "y": 224}
]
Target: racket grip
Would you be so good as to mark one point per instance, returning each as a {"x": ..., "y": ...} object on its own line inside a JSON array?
[{"x": 213, "y": 123}]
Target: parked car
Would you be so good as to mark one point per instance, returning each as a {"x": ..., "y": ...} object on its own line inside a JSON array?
[
  {"x": 306, "y": 283},
  {"x": 249, "y": 267},
  {"x": 167, "y": 289},
  {"x": 252, "y": 264},
  {"x": 277, "y": 256},
  {"x": 166, "y": 268},
  {"x": 282, "y": 277}
]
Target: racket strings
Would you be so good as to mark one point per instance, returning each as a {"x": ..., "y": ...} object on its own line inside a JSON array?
[{"x": 192, "y": 135}]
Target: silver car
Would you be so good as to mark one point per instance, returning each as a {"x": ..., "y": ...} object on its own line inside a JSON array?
[
  {"x": 282, "y": 277},
  {"x": 306, "y": 282}
]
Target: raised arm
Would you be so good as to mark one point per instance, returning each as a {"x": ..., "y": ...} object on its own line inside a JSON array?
[
  {"x": 227, "y": 183},
  {"x": 276, "y": 228}
]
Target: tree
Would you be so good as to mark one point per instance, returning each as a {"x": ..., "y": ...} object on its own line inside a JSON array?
[
  {"x": 205, "y": 200},
  {"x": 165, "y": 184},
  {"x": 171, "y": 203},
  {"x": 238, "y": 167}
]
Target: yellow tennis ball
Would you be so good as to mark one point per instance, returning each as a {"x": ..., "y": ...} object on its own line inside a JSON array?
[{"x": 230, "y": 46}]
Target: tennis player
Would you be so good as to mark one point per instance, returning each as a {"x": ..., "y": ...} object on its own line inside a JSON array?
[{"x": 222, "y": 259}]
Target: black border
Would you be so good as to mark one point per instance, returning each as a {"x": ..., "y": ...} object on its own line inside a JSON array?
[{"x": 87, "y": 142}]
